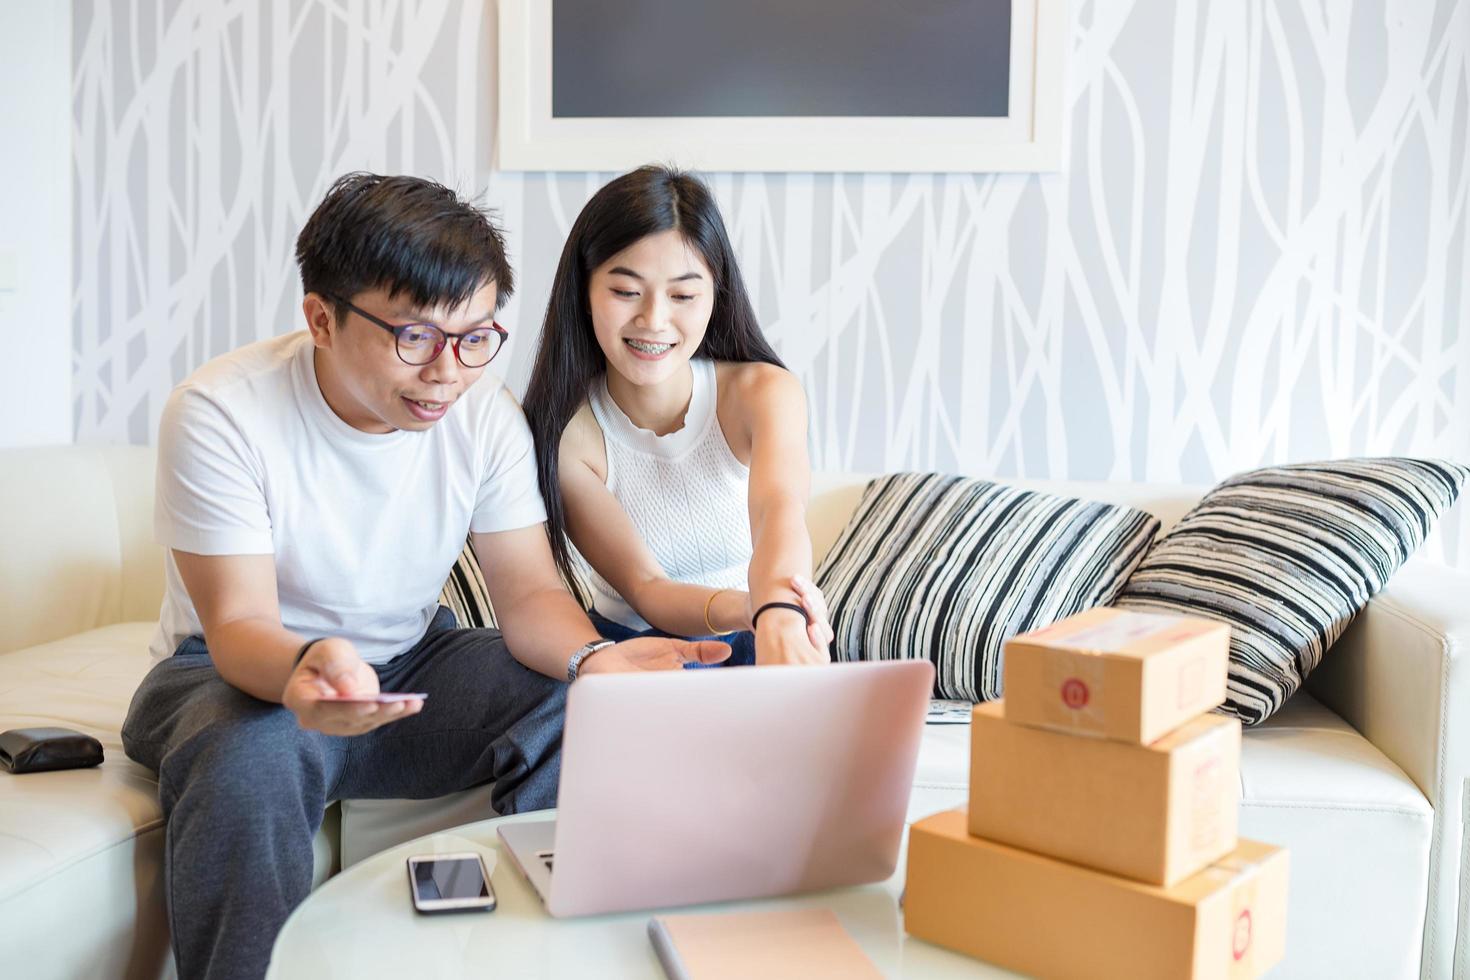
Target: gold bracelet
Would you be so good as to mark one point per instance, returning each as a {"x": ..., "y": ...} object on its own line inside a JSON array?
[{"x": 707, "y": 603}]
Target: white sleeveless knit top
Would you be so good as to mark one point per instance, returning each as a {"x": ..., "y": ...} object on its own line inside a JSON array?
[{"x": 685, "y": 492}]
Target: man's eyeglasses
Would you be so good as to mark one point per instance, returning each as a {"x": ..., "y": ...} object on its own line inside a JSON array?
[{"x": 420, "y": 343}]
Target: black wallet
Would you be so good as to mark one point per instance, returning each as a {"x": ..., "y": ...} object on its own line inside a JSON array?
[{"x": 45, "y": 749}]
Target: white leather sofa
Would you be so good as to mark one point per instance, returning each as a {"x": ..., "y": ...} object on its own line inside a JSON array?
[{"x": 1362, "y": 776}]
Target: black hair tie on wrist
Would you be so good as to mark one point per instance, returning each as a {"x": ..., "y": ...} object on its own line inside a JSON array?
[
  {"x": 754, "y": 620},
  {"x": 302, "y": 652}
]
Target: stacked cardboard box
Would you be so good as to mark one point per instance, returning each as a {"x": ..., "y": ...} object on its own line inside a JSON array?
[{"x": 1100, "y": 838}]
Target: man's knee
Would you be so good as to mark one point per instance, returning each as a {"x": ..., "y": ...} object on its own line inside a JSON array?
[
  {"x": 253, "y": 754},
  {"x": 162, "y": 703}
]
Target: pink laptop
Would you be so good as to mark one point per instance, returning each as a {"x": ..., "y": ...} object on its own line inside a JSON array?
[{"x": 685, "y": 787}]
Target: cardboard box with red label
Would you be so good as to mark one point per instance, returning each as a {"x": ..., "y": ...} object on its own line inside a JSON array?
[
  {"x": 1116, "y": 673},
  {"x": 1157, "y": 813},
  {"x": 1049, "y": 918}
]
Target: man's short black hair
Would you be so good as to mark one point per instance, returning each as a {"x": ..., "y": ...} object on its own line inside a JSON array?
[{"x": 407, "y": 235}]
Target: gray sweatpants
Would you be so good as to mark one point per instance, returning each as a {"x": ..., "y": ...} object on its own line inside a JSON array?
[{"x": 243, "y": 786}]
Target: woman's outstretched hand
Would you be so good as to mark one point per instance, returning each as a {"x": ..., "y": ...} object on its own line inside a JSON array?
[
  {"x": 819, "y": 630},
  {"x": 783, "y": 637},
  {"x": 654, "y": 653}
]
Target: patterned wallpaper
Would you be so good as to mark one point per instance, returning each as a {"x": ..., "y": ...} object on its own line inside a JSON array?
[{"x": 1256, "y": 253}]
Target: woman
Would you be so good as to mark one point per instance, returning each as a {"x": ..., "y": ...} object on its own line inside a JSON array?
[{"x": 670, "y": 440}]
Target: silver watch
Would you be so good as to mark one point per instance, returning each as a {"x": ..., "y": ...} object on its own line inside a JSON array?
[{"x": 583, "y": 652}]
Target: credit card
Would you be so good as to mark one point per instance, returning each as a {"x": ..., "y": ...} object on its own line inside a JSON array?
[{"x": 373, "y": 698}]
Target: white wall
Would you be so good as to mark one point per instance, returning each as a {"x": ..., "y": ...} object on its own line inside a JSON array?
[
  {"x": 35, "y": 223},
  {"x": 1256, "y": 251}
]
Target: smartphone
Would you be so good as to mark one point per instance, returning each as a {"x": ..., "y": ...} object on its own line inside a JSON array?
[
  {"x": 390, "y": 698},
  {"x": 450, "y": 883}
]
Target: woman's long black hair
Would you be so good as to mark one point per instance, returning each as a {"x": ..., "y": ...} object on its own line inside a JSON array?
[{"x": 644, "y": 202}]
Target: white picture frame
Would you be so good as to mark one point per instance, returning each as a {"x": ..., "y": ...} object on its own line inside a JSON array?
[{"x": 1028, "y": 139}]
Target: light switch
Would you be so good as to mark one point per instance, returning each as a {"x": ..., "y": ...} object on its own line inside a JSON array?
[{"x": 9, "y": 270}]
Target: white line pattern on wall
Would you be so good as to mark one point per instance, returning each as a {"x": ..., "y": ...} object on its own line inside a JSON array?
[{"x": 1257, "y": 252}]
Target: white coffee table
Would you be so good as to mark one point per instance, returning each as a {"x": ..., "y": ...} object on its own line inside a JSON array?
[{"x": 361, "y": 924}]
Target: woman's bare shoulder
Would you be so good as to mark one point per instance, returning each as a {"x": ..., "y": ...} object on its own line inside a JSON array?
[
  {"x": 581, "y": 441},
  {"x": 754, "y": 379},
  {"x": 752, "y": 387}
]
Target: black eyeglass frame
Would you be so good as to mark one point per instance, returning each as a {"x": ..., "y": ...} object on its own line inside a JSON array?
[{"x": 397, "y": 330}]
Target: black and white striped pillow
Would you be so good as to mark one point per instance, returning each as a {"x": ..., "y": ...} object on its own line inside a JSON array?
[
  {"x": 465, "y": 593},
  {"x": 1287, "y": 556},
  {"x": 945, "y": 568}
]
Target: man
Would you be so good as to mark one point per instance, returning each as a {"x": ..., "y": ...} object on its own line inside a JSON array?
[{"x": 314, "y": 491}]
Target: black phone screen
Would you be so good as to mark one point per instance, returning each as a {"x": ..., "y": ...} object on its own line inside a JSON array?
[{"x": 455, "y": 878}]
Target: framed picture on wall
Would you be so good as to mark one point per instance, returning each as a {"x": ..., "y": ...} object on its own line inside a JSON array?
[{"x": 782, "y": 85}]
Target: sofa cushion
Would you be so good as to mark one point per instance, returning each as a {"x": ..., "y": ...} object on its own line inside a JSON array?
[
  {"x": 51, "y": 820},
  {"x": 370, "y": 826},
  {"x": 1356, "y": 826},
  {"x": 1359, "y": 834},
  {"x": 76, "y": 522},
  {"x": 1306, "y": 755},
  {"x": 1287, "y": 556},
  {"x": 946, "y": 568}
]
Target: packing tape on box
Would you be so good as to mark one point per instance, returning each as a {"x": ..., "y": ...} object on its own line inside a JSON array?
[{"x": 1230, "y": 866}]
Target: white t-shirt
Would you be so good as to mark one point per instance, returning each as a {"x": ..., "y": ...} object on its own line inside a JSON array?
[{"x": 364, "y": 528}]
